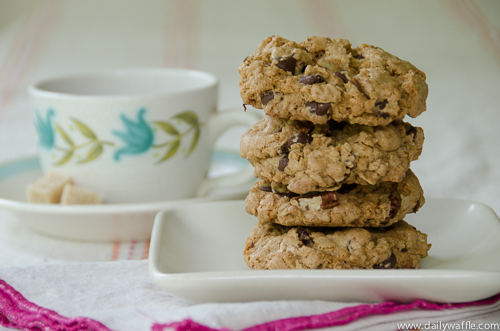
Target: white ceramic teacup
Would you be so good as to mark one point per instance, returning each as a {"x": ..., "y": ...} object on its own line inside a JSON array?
[{"x": 135, "y": 135}]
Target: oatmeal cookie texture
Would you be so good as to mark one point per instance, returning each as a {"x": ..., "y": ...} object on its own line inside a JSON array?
[
  {"x": 307, "y": 157},
  {"x": 321, "y": 79},
  {"x": 272, "y": 246},
  {"x": 333, "y": 156},
  {"x": 351, "y": 206}
]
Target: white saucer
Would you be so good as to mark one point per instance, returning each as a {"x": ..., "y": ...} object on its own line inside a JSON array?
[
  {"x": 196, "y": 255},
  {"x": 107, "y": 222}
]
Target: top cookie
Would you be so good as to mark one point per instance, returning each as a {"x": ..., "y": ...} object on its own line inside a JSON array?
[{"x": 322, "y": 79}]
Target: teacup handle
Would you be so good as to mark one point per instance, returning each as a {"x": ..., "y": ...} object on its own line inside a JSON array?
[{"x": 218, "y": 123}]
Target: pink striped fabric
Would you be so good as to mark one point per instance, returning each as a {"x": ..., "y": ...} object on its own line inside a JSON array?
[
  {"x": 339, "y": 317},
  {"x": 19, "y": 313}
]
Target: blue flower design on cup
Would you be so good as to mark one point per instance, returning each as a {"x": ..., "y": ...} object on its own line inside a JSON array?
[
  {"x": 45, "y": 130},
  {"x": 138, "y": 137}
]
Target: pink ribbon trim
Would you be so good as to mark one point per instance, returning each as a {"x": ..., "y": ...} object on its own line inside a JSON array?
[
  {"x": 339, "y": 317},
  {"x": 18, "y": 313}
]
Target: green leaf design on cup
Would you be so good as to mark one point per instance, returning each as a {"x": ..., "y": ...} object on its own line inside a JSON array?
[
  {"x": 194, "y": 141},
  {"x": 172, "y": 149},
  {"x": 67, "y": 139},
  {"x": 167, "y": 128},
  {"x": 84, "y": 130},
  {"x": 67, "y": 155},
  {"x": 94, "y": 147},
  {"x": 93, "y": 153},
  {"x": 189, "y": 117}
]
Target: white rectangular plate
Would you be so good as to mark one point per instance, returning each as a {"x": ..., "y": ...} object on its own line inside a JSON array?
[{"x": 196, "y": 255}]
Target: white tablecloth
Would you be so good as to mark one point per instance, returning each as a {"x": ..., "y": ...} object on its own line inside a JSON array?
[{"x": 456, "y": 42}]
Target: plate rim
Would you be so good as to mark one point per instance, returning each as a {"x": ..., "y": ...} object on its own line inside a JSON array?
[
  {"x": 328, "y": 274},
  {"x": 158, "y": 276}
]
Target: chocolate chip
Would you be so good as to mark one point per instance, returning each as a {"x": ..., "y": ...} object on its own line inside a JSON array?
[
  {"x": 303, "y": 126},
  {"x": 394, "y": 209},
  {"x": 356, "y": 83},
  {"x": 318, "y": 108},
  {"x": 394, "y": 206},
  {"x": 404, "y": 250},
  {"x": 358, "y": 56},
  {"x": 313, "y": 106},
  {"x": 329, "y": 200},
  {"x": 287, "y": 63},
  {"x": 387, "y": 264},
  {"x": 304, "y": 236},
  {"x": 341, "y": 76},
  {"x": 299, "y": 138},
  {"x": 381, "y": 104},
  {"x": 311, "y": 79},
  {"x": 244, "y": 107},
  {"x": 251, "y": 245},
  {"x": 283, "y": 163},
  {"x": 266, "y": 188},
  {"x": 323, "y": 108},
  {"x": 265, "y": 98},
  {"x": 383, "y": 115}
]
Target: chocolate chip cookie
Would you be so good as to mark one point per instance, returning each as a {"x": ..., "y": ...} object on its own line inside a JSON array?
[
  {"x": 351, "y": 206},
  {"x": 273, "y": 246},
  {"x": 322, "y": 79},
  {"x": 310, "y": 157}
]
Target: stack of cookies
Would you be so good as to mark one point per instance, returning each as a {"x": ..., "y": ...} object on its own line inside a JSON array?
[{"x": 332, "y": 156}]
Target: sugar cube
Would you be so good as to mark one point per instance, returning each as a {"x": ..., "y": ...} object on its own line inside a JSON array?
[
  {"x": 48, "y": 189},
  {"x": 73, "y": 195}
]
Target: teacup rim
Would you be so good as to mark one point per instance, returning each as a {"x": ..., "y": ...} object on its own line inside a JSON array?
[{"x": 35, "y": 88}]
